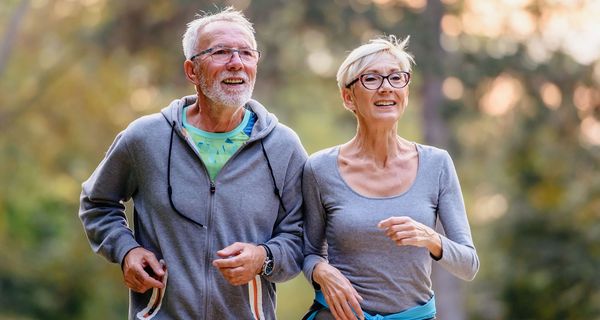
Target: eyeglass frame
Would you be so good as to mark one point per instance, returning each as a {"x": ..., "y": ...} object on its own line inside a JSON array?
[
  {"x": 382, "y": 80},
  {"x": 233, "y": 50}
]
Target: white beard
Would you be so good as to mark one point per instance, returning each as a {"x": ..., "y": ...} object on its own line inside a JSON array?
[{"x": 230, "y": 97}]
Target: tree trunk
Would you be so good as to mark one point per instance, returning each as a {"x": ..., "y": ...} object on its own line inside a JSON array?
[
  {"x": 450, "y": 302},
  {"x": 11, "y": 33}
]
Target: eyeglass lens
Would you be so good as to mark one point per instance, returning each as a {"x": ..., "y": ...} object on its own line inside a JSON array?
[{"x": 224, "y": 55}]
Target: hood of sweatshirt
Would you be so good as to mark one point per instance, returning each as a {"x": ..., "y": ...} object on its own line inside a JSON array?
[{"x": 265, "y": 121}]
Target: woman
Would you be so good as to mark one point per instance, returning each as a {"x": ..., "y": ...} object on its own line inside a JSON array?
[{"x": 372, "y": 203}]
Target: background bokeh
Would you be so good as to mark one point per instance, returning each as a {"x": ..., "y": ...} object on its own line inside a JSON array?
[{"x": 510, "y": 88}]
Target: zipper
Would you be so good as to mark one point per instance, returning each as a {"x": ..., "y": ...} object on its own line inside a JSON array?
[
  {"x": 209, "y": 245},
  {"x": 213, "y": 189}
]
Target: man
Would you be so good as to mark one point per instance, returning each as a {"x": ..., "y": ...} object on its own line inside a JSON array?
[{"x": 215, "y": 182}]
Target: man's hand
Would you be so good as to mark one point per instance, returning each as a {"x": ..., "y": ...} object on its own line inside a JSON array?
[
  {"x": 135, "y": 276},
  {"x": 240, "y": 262}
]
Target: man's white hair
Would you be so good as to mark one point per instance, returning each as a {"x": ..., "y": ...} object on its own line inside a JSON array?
[
  {"x": 360, "y": 58},
  {"x": 229, "y": 14}
]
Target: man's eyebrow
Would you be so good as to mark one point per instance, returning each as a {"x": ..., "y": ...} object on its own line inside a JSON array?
[{"x": 231, "y": 47}]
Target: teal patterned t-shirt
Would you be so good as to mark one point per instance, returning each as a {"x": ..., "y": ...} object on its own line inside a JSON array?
[{"x": 216, "y": 148}]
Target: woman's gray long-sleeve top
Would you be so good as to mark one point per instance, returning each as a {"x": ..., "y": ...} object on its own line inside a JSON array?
[{"x": 341, "y": 228}]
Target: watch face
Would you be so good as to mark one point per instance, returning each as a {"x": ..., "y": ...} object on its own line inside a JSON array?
[{"x": 268, "y": 268}]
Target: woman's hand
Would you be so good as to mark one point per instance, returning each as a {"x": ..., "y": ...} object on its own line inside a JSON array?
[
  {"x": 408, "y": 232},
  {"x": 339, "y": 293}
]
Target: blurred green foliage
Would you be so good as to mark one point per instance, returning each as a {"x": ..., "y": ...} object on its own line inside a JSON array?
[{"x": 523, "y": 126}]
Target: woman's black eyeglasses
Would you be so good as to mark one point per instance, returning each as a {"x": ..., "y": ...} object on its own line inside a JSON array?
[{"x": 374, "y": 81}]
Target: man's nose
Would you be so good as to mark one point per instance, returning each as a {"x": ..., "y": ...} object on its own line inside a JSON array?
[{"x": 235, "y": 62}]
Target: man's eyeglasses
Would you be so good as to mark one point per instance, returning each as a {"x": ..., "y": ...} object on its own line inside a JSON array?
[
  {"x": 223, "y": 54},
  {"x": 374, "y": 81}
]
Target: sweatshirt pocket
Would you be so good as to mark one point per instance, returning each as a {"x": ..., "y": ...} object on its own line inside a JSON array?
[{"x": 156, "y": 299}]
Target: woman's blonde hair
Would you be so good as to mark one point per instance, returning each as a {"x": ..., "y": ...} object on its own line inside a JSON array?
[{"x": 360, "y": 58}]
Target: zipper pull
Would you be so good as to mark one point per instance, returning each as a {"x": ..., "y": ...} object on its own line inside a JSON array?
[{"x": 212, "y": 187}]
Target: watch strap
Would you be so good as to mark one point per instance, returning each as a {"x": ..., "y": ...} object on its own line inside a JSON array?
[
  {"x": 268, "y": 250},
  {"x": 267, "y": 267}
]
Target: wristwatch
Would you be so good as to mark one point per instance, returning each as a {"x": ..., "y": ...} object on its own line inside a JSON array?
[{"x": 267, "y": 268}]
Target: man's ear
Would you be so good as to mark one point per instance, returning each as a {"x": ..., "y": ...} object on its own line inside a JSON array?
[{"x": 190, "y": 72}]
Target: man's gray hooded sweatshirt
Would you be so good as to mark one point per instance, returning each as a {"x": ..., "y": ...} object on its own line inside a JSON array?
[{"x": 153, "y": 154}]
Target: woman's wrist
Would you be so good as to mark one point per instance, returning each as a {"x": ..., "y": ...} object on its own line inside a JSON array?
[
  {"x": 435, "y": 245},
  {"x": 317, "y": 272}
]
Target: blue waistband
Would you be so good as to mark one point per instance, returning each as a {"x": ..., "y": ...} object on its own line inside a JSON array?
[{"x": 422, "y": 312}]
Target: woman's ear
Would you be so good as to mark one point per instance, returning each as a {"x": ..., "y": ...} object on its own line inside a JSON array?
[
  {"x": 347, "y": 97},
  {"x": 190, "y": 72}
]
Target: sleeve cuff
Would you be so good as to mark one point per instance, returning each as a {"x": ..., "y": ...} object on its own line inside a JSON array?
[{"x": 442, "y": 240}]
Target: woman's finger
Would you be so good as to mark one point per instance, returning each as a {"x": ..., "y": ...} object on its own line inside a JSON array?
[
  {"x": 383, "y": 224},
  {"x": 355, "y": 304},
  {"x": 333, "y": 306},
  {"x": 404, "y": 235},
  {"x": 347, "y": 311}
]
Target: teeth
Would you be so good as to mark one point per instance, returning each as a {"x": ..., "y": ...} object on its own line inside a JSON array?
[
  {"x": 385, "y": 103},
  {"x": 233, "y": 81}
]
